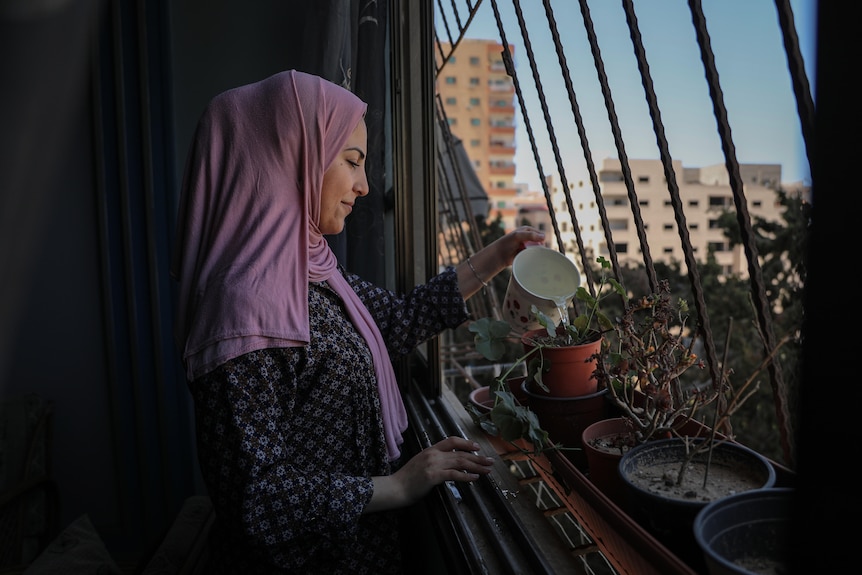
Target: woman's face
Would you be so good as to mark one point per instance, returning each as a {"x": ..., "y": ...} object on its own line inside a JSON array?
[{"x": 343, "y": 182}]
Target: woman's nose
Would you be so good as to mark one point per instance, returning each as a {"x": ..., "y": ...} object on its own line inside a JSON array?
[{"x": 361, "y": 185}]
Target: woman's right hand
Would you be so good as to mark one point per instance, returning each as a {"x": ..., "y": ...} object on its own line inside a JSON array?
[
  {"x": 452, "y": 459},
  {"x": 477, "y": 271}
]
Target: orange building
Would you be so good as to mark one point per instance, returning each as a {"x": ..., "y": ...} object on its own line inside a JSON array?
[{"x": 478, "y": 99}]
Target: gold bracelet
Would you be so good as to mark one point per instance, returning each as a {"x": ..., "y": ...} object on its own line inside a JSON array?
[{"x": 469, "y": 263}]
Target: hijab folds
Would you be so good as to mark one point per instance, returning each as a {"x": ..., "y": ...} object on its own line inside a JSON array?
[{"x": 247, "y": 239}]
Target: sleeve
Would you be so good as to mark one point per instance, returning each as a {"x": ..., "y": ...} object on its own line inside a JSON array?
[
  {"x": 424, "y": 312},
  {"x": 256, "y": 478}
]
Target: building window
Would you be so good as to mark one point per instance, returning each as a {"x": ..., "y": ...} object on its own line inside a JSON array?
[
  {"x": 475, "y": 121},
  {"x": 756, "y": 203},
  {"x": 693, "y": 226},
  {"x": 619, "y": 224},
  {"x": 450, "y": 101},
  {"x": 718, "y": 201},
  {"x": 450, "y": 80},
  {"x": 643, "y": 179},
  {"x": 643, "y": 203},
  {"x": 451, "y": 121},
  {"x": 474, "y": 101},
  {"x": 667, "y": 250},
  {"x": 622, "y": 248},
  {"x": 474, "y": 61},
  {"x": 713, "y": 224},
  {"x": 667, "y": 227},
  {"x": 693, "y": 203},
  {"x": 667, "y": 203},
  {"x": 475, "y": 143},
  {"x": 717, "y": 247},
  {"x": 474, "y": 81},
  {"x": 477, "y": 164}
]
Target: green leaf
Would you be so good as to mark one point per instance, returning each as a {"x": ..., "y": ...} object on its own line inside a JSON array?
[
  {"x": 604, "y": 322},
  {"x": 581, "y": 324},
  {"x": 545, "y": 321},
  {"x": 617, "y": 287},
  {"x": 506, "y": 419},
  {"x": 535, "y": 367},
  {"x": 490, "y": 337},
  {"x": 583, "y": 295}
]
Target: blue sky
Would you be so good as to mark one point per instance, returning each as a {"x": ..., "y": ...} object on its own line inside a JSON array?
[{"x": 749, "y": 55}]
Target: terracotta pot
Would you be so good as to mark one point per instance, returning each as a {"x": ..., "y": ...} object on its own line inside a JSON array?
[
  {"x": 571, "y": 368},
  {"x": 669, "y": 516},
  {"x": 565, "y": 418},
  {"x": 483, "y": 401},
  {"x": 604, "y": 443}
]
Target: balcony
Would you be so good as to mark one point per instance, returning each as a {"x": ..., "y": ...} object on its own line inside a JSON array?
[
  {"x": 123, "y": 441},
  {"x": 576, "y": 495}
]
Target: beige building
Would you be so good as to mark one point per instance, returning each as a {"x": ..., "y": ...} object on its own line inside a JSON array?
[
  {"x": 705, "y": 193},
  {"x": 478, "y": 99}
]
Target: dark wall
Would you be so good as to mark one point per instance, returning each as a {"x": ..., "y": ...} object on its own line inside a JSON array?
[
  {"x": 98, "y": 102},
  {"x": 52, "y": 340}
]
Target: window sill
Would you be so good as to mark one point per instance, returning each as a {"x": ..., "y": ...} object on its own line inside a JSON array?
[{"x": 624, "y": 544}]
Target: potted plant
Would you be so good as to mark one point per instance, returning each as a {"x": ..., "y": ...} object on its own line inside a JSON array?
[
  {"x": 550, "y": 380},
  {"x": 691, "y": 464},
  {"x": 648, "y": 351}
]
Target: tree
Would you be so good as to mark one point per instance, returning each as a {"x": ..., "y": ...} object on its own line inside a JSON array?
[{"x": 782, "y": 248}]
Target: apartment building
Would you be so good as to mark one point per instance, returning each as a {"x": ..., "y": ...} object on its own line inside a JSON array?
[
  {"x": 478, "y": 100},
  {"x": 705, "y": 193}
]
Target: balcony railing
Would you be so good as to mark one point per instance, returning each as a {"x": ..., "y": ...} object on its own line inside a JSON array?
[{"x": 638, "y": 553}]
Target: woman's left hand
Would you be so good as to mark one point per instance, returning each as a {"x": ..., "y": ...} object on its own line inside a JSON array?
[{"x": 452, "y": 459}]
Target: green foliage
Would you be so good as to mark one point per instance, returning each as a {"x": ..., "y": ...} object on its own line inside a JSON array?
[
  {"x": 508, "y": 418},
  {"x": 490, "y": 337},
  {"x": 782, "y": 249}
]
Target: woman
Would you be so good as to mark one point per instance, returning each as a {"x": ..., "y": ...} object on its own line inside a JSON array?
[{"x": 298, "y": 414}]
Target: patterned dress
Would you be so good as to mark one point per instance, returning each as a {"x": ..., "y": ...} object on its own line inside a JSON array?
[{"x": 289, "y": 438}]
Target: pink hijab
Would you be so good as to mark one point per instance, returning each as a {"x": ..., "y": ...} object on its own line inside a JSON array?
[{"x": 247, "y": 235}]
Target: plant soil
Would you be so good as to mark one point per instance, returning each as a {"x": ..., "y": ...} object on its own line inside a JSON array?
[
  {"x": 616, "y": 443},
  {"x": 723, "y": 480}
]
